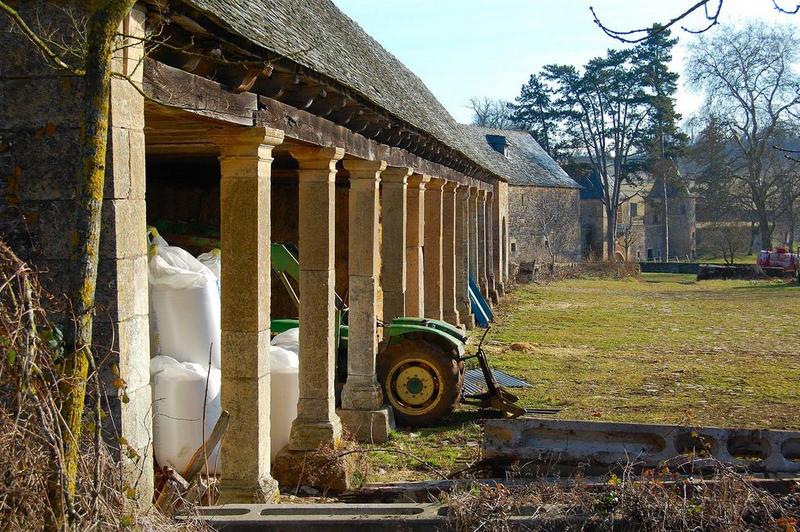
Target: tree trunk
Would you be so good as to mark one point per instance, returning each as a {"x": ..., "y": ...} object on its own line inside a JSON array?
[
  {"x": 102, "y": 26},
  {"x": 611, "y": 234},
  {"x": 666, "y": 220},
  {"x": 765, "y": 231}
]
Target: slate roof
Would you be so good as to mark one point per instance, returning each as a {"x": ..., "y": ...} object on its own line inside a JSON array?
[
  {"x": 591, "y": 187},
  {"x": 317, "y": 35},
  {"x": 527, "y": 163}
]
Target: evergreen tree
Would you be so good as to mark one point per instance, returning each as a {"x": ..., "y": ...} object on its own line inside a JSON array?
[{"x": 663, "y": 140}]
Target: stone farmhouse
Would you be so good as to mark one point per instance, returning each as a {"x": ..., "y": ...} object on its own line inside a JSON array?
[
  {"x": 543, "y": 201},
  {"x": 641, "y": 228},
  {"x": 272, "y": 121}
]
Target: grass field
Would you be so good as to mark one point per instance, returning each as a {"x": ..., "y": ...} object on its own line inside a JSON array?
[{"x": 662, "y": 349}]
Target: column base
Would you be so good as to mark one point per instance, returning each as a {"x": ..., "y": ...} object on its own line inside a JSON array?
[
  {"x": 452, "y": 318},
  {"x": 362, "y": 393},
  {"x": 313, "y": 468},
  {"x": 484, "y": 288},
  {"x": 234, "y": 491},
  {"x": 368, "y": 426},
  {"x": 469, "y": 322},
  {"x": 500, "y": 288},
  {"x": 311, "y": 436}
]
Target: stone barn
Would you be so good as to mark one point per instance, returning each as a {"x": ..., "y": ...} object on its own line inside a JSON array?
[
  {"x": 543, "y": 201},
  {"x": 253, "y": 122}
]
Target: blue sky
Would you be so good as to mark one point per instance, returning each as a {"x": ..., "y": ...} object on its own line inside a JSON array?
[{"x": 465, "y": 48}]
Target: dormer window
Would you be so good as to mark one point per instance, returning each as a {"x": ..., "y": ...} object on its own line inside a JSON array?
[{"x": 499, "y": 143}]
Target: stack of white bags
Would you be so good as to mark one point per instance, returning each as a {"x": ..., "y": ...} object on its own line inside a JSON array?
[
  {"x": 184, "y": 339},
  {"x": 185, "y": 366}
]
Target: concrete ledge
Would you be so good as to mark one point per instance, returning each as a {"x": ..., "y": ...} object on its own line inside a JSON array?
[
  {"x": 423, "y": 517},
  {"x": 564, "y": 442},
  {"x": 368, "y": 426}
]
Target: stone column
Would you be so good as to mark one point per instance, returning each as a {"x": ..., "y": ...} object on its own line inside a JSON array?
[
  {"x": 433, "y": 248},
  {"x": 317, "y": 423},
  {"x": 491, "y": 242},
  {"x": 497, "y": 245},
  {"x": 415, "y": 239},
  {"x": 482, "y": 279},
  {"x": 362, "y": 399},
  {"x": 245, "y": 168},
  {"x": 462, "y": 256},
  {"x": 393, "y": 250},
  {"x": 449, "y": 308},
  {"x": 121, "y": 340},
  {"x": 473, "y": 232}
]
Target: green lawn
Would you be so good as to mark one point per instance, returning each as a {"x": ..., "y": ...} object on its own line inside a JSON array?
[
  {"x": 663, "y": 349},
  {"x": 737, "y": 259}
]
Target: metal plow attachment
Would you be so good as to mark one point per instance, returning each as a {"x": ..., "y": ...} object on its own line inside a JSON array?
[{"x": 495, "y": 397}]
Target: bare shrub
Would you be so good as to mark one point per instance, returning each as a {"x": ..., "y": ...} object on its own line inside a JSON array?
[
  {"x": 647, "y": 501},
  {"x": 31, "y": 461}
]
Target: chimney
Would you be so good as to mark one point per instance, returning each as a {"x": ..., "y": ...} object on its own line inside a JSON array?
[{"x": 498, "y": 143}]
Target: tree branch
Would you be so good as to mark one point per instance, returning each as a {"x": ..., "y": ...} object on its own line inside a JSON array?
[{"x": 43, "y": 47}]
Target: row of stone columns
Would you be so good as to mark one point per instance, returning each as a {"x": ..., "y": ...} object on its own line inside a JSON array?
[{"x": 436, "y": 233}]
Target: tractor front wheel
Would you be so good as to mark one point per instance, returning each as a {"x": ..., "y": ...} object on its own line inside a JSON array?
[{"x": 421, "y": 381}]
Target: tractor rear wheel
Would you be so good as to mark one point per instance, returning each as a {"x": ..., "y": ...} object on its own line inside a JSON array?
[{"x": 420, "y": 380}]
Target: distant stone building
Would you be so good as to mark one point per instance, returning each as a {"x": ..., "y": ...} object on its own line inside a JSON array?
[
  {"x": 681, "y": 226},
  {"x": 543, "y": 201},
  {"x": 593, "y": 219},
  {"x": 641, "y": 227}
]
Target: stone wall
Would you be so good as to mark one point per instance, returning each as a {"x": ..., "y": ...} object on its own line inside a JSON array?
[
  {"x": 682, "y": 228},
  {"x": 531, "y": 209},
  {"x": 39, "y": 159},
  {"x": 593, "y": 228}
]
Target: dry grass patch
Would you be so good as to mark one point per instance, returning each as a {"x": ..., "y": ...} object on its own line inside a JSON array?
[{"x": 660, "y": 349}]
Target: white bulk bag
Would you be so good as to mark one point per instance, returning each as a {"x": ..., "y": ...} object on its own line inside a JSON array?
[
  {"x": 184, "y": 307},
  {"x": 289, "y": 339},
  {"x": 284, "y": 394},
  {"x": 213, "y": 261},
  {"x": 178, "y": 397}
]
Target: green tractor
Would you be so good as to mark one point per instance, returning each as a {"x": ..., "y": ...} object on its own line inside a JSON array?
[{"x": 420, "y": 362}]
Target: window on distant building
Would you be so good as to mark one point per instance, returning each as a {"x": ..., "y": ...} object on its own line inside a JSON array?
[
  {"x": 655, "y": 218},
  {"x": 683, "y": 209},
  {"x": 649, "y": 253},
  {"x": 634, "y": 210}
]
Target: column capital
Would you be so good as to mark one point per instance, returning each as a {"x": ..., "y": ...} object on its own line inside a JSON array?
[
  {"x": 451, "y": 186},
  {"x": 314, "y": 160},
  {"x": 436, "y": 183},
  {"x": 396, "y": 174},
  {"x": 418, "y": 180},
  {"x": 473, "y": 190},
  {"x": 364, "y": 169},
  {"x": 482, "y": 194},
  {"x": 246, "y": 141}
]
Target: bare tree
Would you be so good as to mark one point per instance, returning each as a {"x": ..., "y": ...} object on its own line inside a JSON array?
[
  {"x": 726, "y": 238},
  {"x": 556, "y": 225},
  {"x": 711, "y": 10},
  {"x": 489, "y": 112},
  {"x": 751, "y": 88},
  {"x": 629, "y": 236}
]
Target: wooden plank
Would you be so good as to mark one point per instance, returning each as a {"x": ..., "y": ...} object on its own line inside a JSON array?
[
  {"x": 175, "y": 88},
  {"x": 198, "y": 460},
  {"x": 306, "y": 127}
]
